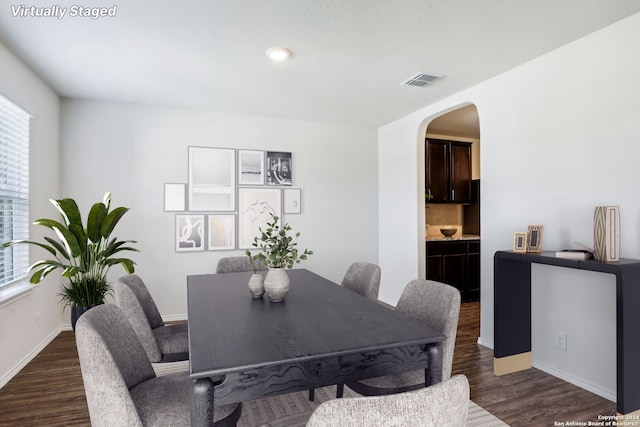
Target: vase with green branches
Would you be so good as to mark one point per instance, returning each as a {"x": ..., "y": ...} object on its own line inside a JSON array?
[
  {"x": 84, "y": 254},
  {"x": 278, "y": 250}
]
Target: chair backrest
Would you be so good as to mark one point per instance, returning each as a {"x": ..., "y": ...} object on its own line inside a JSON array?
[
  {"x": 363, "y": 278},
  {"x": 133, "y": 297},
  {"x": 440, "y": 405},
  {"x": 112, "y": 362},
  {"x": 235, "y": 264},
  {"x": 437, "y": 305}
]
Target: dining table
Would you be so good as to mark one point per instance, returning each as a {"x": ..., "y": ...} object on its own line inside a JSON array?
[{"x": 242, "y": 348}]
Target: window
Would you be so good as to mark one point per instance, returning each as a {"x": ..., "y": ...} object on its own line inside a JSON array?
[{"x": 14, "y": 190}]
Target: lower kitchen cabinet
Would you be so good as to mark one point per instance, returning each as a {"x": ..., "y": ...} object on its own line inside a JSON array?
[{"x": 457, "y": 263}]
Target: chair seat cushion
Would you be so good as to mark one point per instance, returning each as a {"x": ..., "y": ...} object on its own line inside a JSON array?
[
  {"x": 173, "y": 341},
  {"x": 164, "y": 401}
]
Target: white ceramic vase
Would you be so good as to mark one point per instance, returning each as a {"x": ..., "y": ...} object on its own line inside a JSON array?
[
  {"x": 276, "y": 284},
  {"x": 256, "y": 285}
]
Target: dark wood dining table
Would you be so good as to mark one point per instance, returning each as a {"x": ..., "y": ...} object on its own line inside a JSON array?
[{"x": 321, "y": 334}]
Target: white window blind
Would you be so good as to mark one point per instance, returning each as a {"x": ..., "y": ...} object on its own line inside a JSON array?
[{"x": 14, "y": 190}]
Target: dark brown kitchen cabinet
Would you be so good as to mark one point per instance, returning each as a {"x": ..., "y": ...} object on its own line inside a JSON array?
[
  {"x": 448, "y": 171},
  {"x": 456, "y": 263}
]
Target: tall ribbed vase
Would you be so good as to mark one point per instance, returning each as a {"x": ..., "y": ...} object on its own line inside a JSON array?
[
  {"x": 606, "y": 233},
  {"x": 276, "y": 284}
]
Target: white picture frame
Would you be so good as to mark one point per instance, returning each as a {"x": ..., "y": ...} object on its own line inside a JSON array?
[
  {"x": 221, "y": 232},
  {"x": 212, "y": 179},
  {"x": 251, "y": 167},
  {"x": 292, "y": 201},
  {"x": 255, "y": 207},
  {"x": 175, "y": 197},
  {"x": 189, "y": 233}
]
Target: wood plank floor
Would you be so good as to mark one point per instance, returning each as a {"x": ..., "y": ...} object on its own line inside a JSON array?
[{"x": 49, "y": 390}]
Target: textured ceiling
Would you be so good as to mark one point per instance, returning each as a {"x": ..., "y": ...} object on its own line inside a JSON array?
[{"x": 350, "y": 56}]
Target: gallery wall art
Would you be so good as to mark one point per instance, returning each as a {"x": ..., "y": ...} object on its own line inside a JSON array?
[{"x": 229, "y": 195}]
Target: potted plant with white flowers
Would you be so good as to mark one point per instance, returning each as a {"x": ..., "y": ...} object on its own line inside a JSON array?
[
  {"x": 84, "y": 254},
  {"x": 278, "y": 250}
]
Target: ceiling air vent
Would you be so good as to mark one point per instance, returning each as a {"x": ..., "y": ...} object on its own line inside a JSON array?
[{"x": 420, "y": 80}]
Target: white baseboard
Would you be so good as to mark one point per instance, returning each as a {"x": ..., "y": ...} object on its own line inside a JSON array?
[
  {"x": 29, "y": 357},
  {"x": 580, "y": 382},
  {"x": 485, "y": 343},
  {"x": 174, "y": 318}
]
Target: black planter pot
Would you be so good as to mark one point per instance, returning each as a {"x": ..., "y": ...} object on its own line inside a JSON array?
[{"x": 76, "y": 312}]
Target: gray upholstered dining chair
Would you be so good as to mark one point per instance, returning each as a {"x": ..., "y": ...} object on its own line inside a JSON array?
[
  {"x": 435, "y": 304},
  {"x": 120, "y": 385},
  {"x": 163, "y": 343},
  {"x": 439, "y": 405},
  {"x": 364, "y": 279},
  {"x": 234, "y": 264}
]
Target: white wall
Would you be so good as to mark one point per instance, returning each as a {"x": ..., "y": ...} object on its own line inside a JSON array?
[
  {"x": 133, "y": 150},
  {"x": 558, "y": 137},
  {"x": 19, "y": 338}
]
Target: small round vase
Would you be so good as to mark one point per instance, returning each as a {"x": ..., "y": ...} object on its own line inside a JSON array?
[
  {"x": 276, "y": 284},
  {"x": 256, "y": 285}
]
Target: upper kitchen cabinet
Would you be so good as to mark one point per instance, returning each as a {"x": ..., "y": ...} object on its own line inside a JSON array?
[{"x": 448, "y": 177}]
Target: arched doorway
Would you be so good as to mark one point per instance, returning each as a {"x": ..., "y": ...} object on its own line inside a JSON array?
[{"x": 452, "y": 200}]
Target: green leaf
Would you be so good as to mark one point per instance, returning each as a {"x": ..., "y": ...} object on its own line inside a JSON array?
[
  {"x": 59, "y": 247},
  {"x": 68, "y": 240},
  {"x": 106, "y": 199},
  {"x": 69, "y": 211},
  {"x": 96, "y": 217},
  {"x": 42, "y": 245},
  {"x": 126, "y": 263},
  {"x": 49, "y": 223},
  {"x": 70, "y": 271},
  {"x": 41, "y": 274},
  {"x": 111, "y": 220},
  {"x": 81, "y": 237}
]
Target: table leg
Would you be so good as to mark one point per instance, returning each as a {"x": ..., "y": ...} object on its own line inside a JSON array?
[
  {"x": 433, "y": 374},
  {"x": 202, "y": 402}
]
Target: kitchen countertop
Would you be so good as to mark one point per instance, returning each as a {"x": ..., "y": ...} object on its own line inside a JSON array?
[{"x": 456, "y": 237}]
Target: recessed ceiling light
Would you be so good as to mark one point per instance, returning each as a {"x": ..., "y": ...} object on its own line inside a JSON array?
[{"x": 278, "y": 53}]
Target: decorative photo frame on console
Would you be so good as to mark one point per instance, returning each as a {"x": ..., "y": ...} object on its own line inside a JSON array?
[
  {"x": 534, "y": 238},
  {"x": 520, "y": 242}
]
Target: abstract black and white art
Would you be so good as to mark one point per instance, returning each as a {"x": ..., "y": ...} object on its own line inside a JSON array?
[
  {"x": 189, "y": 233},
  {"x": 279, "y": 168}
]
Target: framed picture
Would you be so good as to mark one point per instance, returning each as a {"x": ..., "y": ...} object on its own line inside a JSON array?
[
  {"x": 534, "y": 238},
  {"x": 189, "y": 233},
  {"x": 221, "y": 232},
  {"x": 250, "y": 167},
  {"x": 256, "y": 205},
  {"x": 175, "y": 197},
  {"x": 212, "y": 179},
  {"x": 279, "y": 168},
  {"x": 520, "y": 242},
  {"x": 292, "y": 201}
]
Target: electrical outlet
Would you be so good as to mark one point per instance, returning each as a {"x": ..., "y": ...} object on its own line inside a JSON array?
[
  {"x": 561, "y": 340},
  {"x": 37, "y": 320}
]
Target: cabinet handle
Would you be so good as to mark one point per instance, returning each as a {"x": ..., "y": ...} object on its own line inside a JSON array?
[{"x": 453, "y": 194}]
